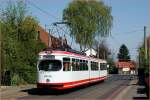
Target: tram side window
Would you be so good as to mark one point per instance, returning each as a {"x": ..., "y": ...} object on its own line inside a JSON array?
[
  {"x": 103, "y": 66},
  {"x": 94, "y": 66},
  {"x": 66, "y": 64},
  {"x": 79, "y": 65},
  {"x": 83, "y": 65},
  {"x": 86, "y": 65},
  {"x": 75, "y": 64}
]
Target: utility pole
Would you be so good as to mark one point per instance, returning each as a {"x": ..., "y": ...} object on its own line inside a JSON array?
[
  {"x": 45, "y": 27},
  {"x": 49, "y": 39},
  {"x": 148, "y": 50},
  {"x": 145, "y": 42},
  {"x": 1, "y": 53}
]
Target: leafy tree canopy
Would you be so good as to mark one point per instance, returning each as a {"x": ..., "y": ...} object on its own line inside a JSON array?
[
  {"x": 20, "y": 44},
  {"x": 88, "y": 19}
]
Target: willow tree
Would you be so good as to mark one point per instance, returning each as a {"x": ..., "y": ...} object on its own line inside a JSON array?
[{"x": 88, "y": 19}]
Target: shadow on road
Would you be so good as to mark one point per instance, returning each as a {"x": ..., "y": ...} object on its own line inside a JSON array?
[
  {"x": 36, "y": 91},
  {"x": 140, "y": 98}
]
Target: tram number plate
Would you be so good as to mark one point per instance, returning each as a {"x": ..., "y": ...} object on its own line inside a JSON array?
[{"x": 47, "y": 76}]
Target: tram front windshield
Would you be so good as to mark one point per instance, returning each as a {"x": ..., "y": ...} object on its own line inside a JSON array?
[{"x": 50, "y": 65}]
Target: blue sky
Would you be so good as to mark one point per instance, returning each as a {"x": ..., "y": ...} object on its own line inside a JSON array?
[{"x": 130, "y": 16}]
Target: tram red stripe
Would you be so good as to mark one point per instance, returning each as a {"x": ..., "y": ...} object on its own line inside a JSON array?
[
  {"x": 81, "y": 82},
  {"x": 75, "y": 83}
]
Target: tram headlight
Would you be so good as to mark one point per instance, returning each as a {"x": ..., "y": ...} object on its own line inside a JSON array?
[
  {"x": 47, "y": 80},
  {"x": 40, "y": 57}
]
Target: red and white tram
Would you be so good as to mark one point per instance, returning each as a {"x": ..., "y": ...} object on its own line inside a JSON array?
[{"x": 63, "y": 70}]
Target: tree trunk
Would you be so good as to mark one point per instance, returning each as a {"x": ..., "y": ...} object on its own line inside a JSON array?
[{"x": 0, "y": 59}]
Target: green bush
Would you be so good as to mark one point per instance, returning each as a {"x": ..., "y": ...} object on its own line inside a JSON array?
[
  {"x": 29, "y": 77},
  {"x": 16, "y": 80},
  {"x": 20, "y": 43}
]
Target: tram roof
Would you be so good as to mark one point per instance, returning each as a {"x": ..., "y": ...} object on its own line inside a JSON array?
[{"x": 66, "y": 53}]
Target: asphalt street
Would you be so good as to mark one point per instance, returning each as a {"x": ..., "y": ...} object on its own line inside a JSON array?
[{"x": 107, "y": 90}]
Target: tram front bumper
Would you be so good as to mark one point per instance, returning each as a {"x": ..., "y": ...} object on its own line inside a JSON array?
[{"x": 50, "y": 85}]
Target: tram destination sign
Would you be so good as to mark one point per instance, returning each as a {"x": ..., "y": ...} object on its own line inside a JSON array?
[{"x": 46, "y": 57}]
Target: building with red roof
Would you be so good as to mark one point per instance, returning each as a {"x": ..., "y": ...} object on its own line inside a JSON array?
[
  {"x": 49, "y": 40},
  {"x": 126, "y": 67}
]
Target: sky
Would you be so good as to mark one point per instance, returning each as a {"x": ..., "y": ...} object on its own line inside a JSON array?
[{"x": 129, "y": 19}]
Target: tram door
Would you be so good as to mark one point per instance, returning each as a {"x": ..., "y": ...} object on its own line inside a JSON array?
[
  {"x": 89, "y": 67},
  {"x": 99, "y": 71},
  {"x": 94, "y": 70}
]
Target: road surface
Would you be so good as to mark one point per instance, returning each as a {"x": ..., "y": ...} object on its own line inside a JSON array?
[{"x": 107, "y": 90}]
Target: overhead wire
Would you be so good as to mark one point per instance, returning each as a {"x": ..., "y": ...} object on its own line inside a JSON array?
[
  {"x": 45, "y": 12},
  {"x": 34, "y": 5},
  {"x": 130, "y": 31},
  {"x": 116, "y": 41}
]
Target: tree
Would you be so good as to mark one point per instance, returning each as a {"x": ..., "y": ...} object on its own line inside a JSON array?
[
  {"x": 112, "y": 67},
  {"x": 0, "y": 53},
  {"x": 88, "y": 19},
  {"x": 102, "y": 50},
  {"x": 20, "y": 44},
  {"x": 123, "y": 54},
  {"x": 144, "y": 63}
]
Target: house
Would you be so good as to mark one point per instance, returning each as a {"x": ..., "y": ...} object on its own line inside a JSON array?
[
  {"x": 126, "y": 67},
  {"x": 49, "y": 40},
  {"x": 90, "y": 52}
]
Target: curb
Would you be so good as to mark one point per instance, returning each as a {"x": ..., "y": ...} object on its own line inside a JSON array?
[{"x": 5, "y": 90}]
